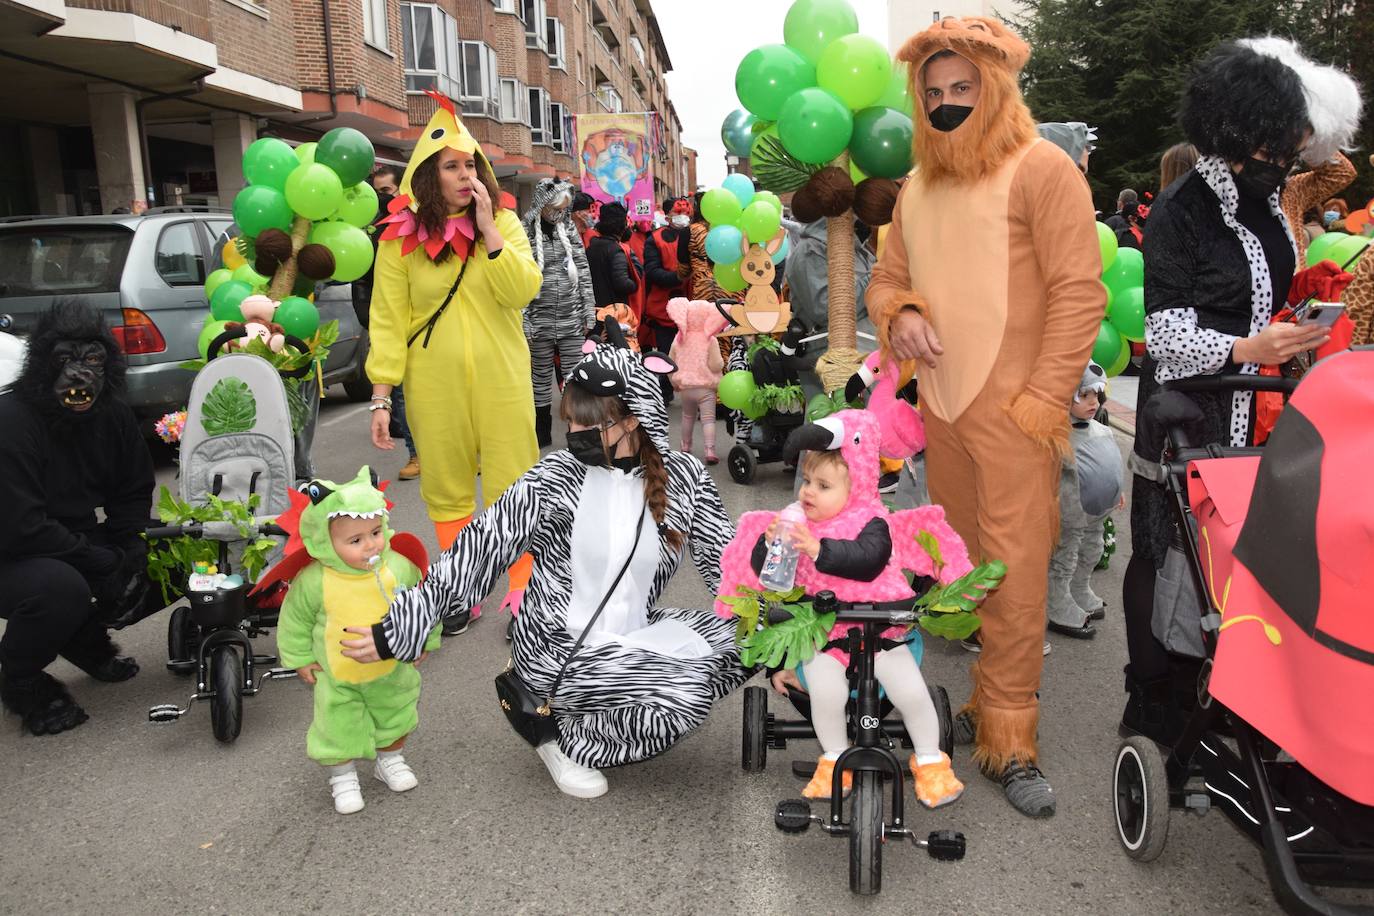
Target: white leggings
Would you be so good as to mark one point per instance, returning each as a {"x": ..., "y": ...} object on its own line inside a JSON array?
[{"x": 898, "y": 674}]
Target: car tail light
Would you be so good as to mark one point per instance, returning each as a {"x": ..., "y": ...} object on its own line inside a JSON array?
[{"x": 138, "y": 334}]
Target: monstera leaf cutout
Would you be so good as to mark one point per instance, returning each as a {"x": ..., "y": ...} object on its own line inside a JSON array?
[
  {"x": 776, "y": 169},
  {"x": 229, "y": 408}
]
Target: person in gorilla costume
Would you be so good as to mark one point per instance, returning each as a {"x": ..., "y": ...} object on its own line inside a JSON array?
[{"x": 70, "y": 446}]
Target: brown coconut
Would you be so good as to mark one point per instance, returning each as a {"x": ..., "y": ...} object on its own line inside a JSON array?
[
  {"x": 874, "y": 200},
  {"x": 833, "y": 190},
  {"x": 273, "y": 247},
  {"x": 315, "y": 262},
  {"x": 805, "y": 207}
]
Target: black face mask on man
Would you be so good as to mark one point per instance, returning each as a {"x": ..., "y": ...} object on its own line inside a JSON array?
[
  {"x": 80, "y": 373},
  {"x": 947, "y": 117},
  {"x": 1258, "y": 179}
]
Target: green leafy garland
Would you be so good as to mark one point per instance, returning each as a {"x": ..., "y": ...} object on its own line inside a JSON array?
[
  {"x": 781, "y": 398},
  {"x": 172, "y": 559}
]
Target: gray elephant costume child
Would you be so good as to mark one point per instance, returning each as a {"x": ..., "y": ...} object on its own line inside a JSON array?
[{"x": 1089, "y": 489}]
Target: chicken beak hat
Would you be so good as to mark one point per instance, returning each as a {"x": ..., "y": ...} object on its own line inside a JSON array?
[{"x": 444, "y": 131}]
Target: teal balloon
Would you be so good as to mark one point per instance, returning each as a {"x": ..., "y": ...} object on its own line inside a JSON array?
[
  {"x": 881, "y": 145},
  {"x": 298, "y": 316},
  {"x": 856, "y": 68},
  {"x": 224, "y": 304},
  {"x": 1127, "y": 313},
  {"x": 897, "y": 95},
  {"x": 259, "y": 207},
  {"x": 208, "y": 333},
  {"x": 815, "y": 126},
  {"x": 1320, "y": 248},
  {"x": 737, "y": 132},
  {"x": 723, "y": 244},
  {"x": 736, "y": 388},
  {"x": 1107, "y": 349},
  {"x": 314, "y": 191},
  {"x": 348, "y": 152},
  {"x": 768, "y": 76},
  {"x": 359, "y": 207},
  {"x": 760, "y": 221},
  {"x": 811, "y": 25},
  {"x": 740, "y": 186},
  {"x": 351, "y": 247},
  {"x": 720, "y": 207},
  {"x": 269, "y": 161},
  {"x": 1126, "y": 271},
  {"x": 217, "y": 279},
  {"x": 1106, "y": 244}
]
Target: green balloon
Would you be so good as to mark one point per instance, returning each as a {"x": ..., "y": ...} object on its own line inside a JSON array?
[
  {"x": 245, "y": 273},
  {"x": 1108, "y": 290},
  {"x": 898, "y": 92},
  {"x": 350, "y": 245},
  {"x": 737, "y": 132},
  {"x": 348, "y": 152},
  {"x": 856, "y": 68},
  {"x": 768, "y": 76},
  {"x": 1106, "y": 243},
  {"x": 258, "y": 207},
  {"x": 720, "y": 207},
  {"x": 1126, "y": 271},
  {"x": 856, "y": 174},
  {"x": 1348, "y": 251},
  {"x": 314, "y": 191},
  {"x": 1127, "y": 313},
  {"x": 760, "y": 221},
  {"x": 224, "y": 304},
  {"x": 815, "y": 126},
  {"x": 1320, "y": 248},
  {"x": 881, "y": 145},
  {"x": 269, "y": 161},
  {"x": 305, "y": 153},
  {"x": 1110, "y": 343},
  {"x": 217, "y": 279},
  {"x": 298, "y": 316},
  {"x": 1123, "y": 359},
  {"x": 208, "y": 333},
  {"x": 768, "y": 197},
  {"x": 359, "y": 207},
  {"x": 736, "y": 388},
  {"x": 811, "y": 25},
  {"x": 728, "y": 277}
]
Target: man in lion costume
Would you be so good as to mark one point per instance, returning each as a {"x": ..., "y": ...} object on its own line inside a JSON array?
[{"x": 988, "y": 286}]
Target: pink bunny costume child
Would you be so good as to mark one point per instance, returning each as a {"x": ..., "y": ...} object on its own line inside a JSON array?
[
  {"x": 856, "y": 548},
  {"x": 699, "y": 367}
]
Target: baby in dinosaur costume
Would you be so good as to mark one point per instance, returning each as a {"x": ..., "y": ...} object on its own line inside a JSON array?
[{"x": 344, "y": 565}]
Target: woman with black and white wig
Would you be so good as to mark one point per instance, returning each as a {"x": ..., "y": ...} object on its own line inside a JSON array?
[{"x": 1219, "y": 260}]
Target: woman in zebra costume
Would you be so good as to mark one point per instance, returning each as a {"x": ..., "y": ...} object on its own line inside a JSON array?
[
  {"x": 646, "y": 675},
  {"x": 560, "y": 316}
]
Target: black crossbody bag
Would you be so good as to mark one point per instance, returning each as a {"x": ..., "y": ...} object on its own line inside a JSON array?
[
  {"x": 530, "y": 714},
  {"x": 428, "y": 327}
]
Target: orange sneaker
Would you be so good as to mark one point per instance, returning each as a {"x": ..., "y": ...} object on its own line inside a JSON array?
[
  {"x": 819, "y": 786},
  {"x": 936, "y": 783}
]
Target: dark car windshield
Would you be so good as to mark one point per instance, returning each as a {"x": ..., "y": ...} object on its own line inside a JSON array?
[{"x": 47, "y": 260}]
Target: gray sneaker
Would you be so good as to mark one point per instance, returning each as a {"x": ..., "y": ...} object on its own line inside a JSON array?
[
  {"x": 973, "y": 645},
  {"x": 1027, "y": 789}
]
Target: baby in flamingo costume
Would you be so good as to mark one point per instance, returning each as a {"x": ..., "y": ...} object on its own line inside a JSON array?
[{"x": 856, "y": 548}]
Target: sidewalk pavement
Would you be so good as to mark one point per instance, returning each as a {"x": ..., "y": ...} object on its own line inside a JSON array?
[{"x": 1121, "y": 402}]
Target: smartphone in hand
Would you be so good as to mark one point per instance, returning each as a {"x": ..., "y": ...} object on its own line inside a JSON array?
[{"x": 1323, "y": 314}]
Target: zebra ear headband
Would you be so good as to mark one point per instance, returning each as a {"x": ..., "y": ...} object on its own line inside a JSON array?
[{"x": 605, "y": 381}]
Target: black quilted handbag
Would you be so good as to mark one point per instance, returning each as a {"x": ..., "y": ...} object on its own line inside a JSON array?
[{"x": 530, "y": 714}]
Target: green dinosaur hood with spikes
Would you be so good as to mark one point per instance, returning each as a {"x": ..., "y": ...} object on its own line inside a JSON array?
[{"x": 357, "y": 498}]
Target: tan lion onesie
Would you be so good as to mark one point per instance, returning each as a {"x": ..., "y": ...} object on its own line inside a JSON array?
[{"x": 993, "y": 243}]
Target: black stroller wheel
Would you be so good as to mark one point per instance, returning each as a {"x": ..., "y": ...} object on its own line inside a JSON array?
[
  {"x": 742, "y": 464},
  {"x": 183, "y": 641},
  {"x": 866, "y": 834},
  {"x": 754, "y": 746},
  {"x": 942, "y": 712},
  {"x": 226, "y": 706},
  {"x": 1140, "y": 790}
]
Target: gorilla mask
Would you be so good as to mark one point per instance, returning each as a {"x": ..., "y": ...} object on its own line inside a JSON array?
[
  {"x": 73, "y": 364},
  {"x": 80, "y": 369}
]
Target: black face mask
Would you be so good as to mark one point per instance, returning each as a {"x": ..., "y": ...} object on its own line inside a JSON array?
[
  {"x": 586, "y": 447},
  {"x": 80, "y": 368},
  {"x": 1258, "y": 179},
  {"x": 947, "y": 117}
]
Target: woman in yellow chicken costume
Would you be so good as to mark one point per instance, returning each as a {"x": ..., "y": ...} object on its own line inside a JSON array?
[{"x": 453, "y": 273}]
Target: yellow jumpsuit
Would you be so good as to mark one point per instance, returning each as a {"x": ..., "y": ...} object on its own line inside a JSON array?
[{"x": 468, "y": 393}]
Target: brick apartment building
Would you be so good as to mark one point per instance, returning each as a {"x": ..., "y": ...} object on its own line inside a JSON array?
[{"x": 110, "y": 103}]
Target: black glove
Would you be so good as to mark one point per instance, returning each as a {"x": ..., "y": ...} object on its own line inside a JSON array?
[{"x": 125, "y": 586}]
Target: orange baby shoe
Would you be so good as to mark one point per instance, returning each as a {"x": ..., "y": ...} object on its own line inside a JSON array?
[
  {"x": 936, "y": 783},
  {"x": 819, "y": 786}
]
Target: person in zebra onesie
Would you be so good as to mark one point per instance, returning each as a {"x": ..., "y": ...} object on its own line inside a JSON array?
[
  {"x": 560, "y": 316},
  {"x": 646, "y": 675}
]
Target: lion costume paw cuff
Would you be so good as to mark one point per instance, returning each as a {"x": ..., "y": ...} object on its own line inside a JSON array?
[{"x": 1043, "y": 420}]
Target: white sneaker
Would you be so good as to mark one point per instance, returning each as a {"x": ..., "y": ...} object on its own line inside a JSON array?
[
  {"x": 393, "y": 770},
  {"x": 973, "y": 645},
  {"x": 571, "y": 778},
  {"x": 348, "y": 796}
]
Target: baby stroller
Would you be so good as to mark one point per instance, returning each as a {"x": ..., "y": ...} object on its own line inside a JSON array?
[
  {"x": 1280, "y": 562},
  {"x": 760, "y": 441},
  {"x": 237, "y": 444}
]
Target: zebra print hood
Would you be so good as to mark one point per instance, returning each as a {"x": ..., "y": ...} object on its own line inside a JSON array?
[{"x": 610, "y": 370}]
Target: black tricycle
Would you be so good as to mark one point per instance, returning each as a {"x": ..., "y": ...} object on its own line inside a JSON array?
[
  {"x": 211, "y": 636},
  {"x": 871, "y": 757}
]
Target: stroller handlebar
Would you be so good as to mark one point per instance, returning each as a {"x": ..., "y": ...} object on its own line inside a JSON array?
[
  {"x": 266, "y": 526},
  {"x": 895, "y": 613},
  {"x": 1200, "y": 384}
]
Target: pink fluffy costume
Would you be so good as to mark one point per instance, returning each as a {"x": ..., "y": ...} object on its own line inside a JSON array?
[
  {"x": 700, "y": 365},
  {"x": 858, "y": 434}
]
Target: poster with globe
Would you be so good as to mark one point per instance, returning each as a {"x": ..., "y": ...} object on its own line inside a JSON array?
[{"x": 616, "y": 162}]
